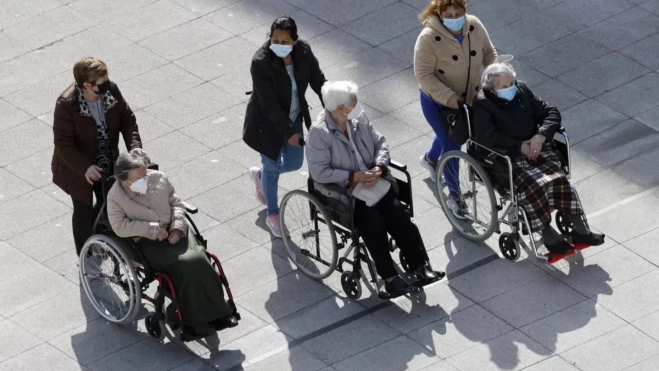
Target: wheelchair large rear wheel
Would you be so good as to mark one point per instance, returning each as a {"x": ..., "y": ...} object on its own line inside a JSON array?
[
  {"x": 312, "y": 242},
  {"x": 476, "y": 218},
  {"x": 109, "y": 278}
]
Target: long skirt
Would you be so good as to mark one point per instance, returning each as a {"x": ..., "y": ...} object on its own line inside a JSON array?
[
  {"x": 198, "y": 285},
  {"x": 542, "y": 187}
]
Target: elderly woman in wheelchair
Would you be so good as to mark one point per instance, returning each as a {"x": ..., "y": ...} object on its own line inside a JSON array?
[
  {"x": 514, "y": 143},
  {"x": 348, "y": 162},
  {"x": 143, "y": 205}
]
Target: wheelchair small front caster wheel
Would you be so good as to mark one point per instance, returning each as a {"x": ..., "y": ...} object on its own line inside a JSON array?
[
  {"x": 155, "y": 327},
  {"x": 563, "y": 223},
  {"x": 509, "y": 246},
  {"x": 403, "y": 262},
  {"x": 351, "y": 285}
]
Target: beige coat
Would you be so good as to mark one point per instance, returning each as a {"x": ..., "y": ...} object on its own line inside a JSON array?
[
  {"x": 440, "y": 61},
  {"x": 131, "y": 213}
]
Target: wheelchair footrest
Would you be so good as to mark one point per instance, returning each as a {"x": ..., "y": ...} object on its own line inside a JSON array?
[{"x": 553, "y": 257}]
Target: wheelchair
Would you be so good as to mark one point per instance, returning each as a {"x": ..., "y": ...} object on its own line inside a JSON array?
[
  {"x": 116, "y": 277},
  {"x": 320, "y": 226},
  {"x": 486, "y": 170}
]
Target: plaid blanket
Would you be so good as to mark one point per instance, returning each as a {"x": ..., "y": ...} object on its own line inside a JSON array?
[{"x": 543, "y": 187}]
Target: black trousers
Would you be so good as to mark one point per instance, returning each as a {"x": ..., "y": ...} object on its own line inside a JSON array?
[
  {"x": 388, "y": 216},
  {"x": 84, "y": 216}
]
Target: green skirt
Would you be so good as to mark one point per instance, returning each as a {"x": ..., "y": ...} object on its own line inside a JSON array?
[{"x": 198, "y": 285}]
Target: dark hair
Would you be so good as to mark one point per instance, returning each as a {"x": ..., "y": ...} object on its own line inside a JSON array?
[{"x": 285, "y": 24}]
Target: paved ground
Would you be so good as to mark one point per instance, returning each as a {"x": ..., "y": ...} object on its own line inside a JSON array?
[{"x": 183, "y": 66}]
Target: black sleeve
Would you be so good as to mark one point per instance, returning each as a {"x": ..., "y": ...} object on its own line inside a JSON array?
[
  {"x": 547, "y": 117},
  {"x": 264, "y": 89},
  {"x": 488, "y": 135},
  {"x": 317, "y": 77}
]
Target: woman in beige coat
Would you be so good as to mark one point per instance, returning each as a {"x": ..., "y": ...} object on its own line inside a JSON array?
[
  {"x": 143, "y": 205},
  {"x": 451, "y": 49}
]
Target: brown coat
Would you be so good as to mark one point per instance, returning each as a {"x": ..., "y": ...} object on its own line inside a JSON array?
[
  {"x": 75, "y": 137},
  {"x": 440, "y": 61},
  {"x": 131, "y": 213}
]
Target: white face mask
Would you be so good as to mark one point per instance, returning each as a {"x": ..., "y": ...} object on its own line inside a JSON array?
[
  {"x": 140, "y": 186},
  {"x": 356, "y": 111}
]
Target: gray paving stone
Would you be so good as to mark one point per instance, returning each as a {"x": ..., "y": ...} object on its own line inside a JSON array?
[
  {"x": 398, "y": 354},
  {"x": 28, "y": 69},
  {"x": 318, "y": 316},
  {"x": 219, "y": 129},
  {"x": 630, "y": 220},
  {"x": 434, "y": 228},
  {"x": 642, "y": 169},
  {"x": 65, "y": 265},
  {"x": 236, "y": 84},
  {"x": 402, "y": 47},
  {"x": 622, "y": 142},
  {"x": 247, "y": 15},
  {"x": 335, "y": 46},
  {"x": 137, "y": 26},
  {"x": 434, "y": 305},
  {"x": 56, "y": 192},
  {"x": 583, "y": 13},
  {"x": 160, "y": 150},
  {"x": 203, "y": 7},
  {"x": 55, "y": 237},
  {"x": 146, "y": 355},
  {"x": 227, "y": 243},
  {"x": 582, "y": 167},
  {"x": 194, "y": 365},
  {"x": 28, "y": 211},
  {"x": 384, "y": 24},
  {"x": 12, "y": 116},
  {"x": 649, "y": 118},
  {"x": 589, "y": 118},
  {"x": 220, "y": 59},
  {"x": 160, "y": 84},
  {"x": 193, "y": 105},
  {"x": 460, "y": 332},
  {"x": 38, "y": 99},
  {"x": 13, "y": 261},
  {"x": 340, "y": 12},
  {"x": 350, "y": 339},
  {"x": 48, "y": 27},
  {"x": 642, "y": 90},
  {"x": 252, "y": 225},
  {"x": 265, "y": 267},
  {"x": 527, "y": 74},
  {"x": 643, "y": 245},
  {"x": 494, "y": 278},
  {"x": 394, "y": 131},
  {"x": 96, "y": 41},
  {"x": 366, "y": 67},
  {"x": 458, "y": 253},
  {"x": 616, "y": 350},
  {"x": 563, "y": 55},
  {"x": 34, "y": 169},
  {"x": 96, "y": 340},
  {"x": 16, "y": 11},
  {"x": 292, "y": 360},
  {"x": 532, "y": 301},
  {"x": 150, "y": 128},
  {"x": 558, "y": 94},
  {"x": 647, "y": 325},
  {"x": 615, "y": 186},
  {"x": 102, "y": 11},
  {"x": 634, "y": 299},
  {"x": 308, "y": 28},
  {"x": 528, "y": 34},
  {"x": 499, "y": 13},
  {"x": 132, "y": 61},
  {"x": 209, "y": 171},
  {"x": 603, "y": 74},
  {"x": 623, "y": 29},
  {"x": 15, "y": 340},
  {"x": 392, "y": 92},
  {"x": 555, "y": 363},
  {"x": 69, "y": 310},
  {"x": 37, "y": 357},
  {"x": 651, "y": 5},
  {"x": 512, "y": 351},
  {"x": 412, "y": 115},
  {"x": 176, "y": 42},
  {"x": 647, "y": 365},
  {"x": 22, "y": 140},
  {"x": 644, "y": 52},
  {"x": 11, "y": 186}
]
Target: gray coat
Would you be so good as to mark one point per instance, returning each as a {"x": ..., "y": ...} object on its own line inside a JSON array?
[{"x": 330, "y": 156}]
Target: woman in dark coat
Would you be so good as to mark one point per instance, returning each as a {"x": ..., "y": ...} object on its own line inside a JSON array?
[
  {"x": 281, "y": 71},
  {"x": 89, "y": 116},
  {"x": 508, "y": 116}
]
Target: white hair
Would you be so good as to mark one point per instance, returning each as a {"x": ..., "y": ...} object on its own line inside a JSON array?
[
  {"x": 336, "y": 93},
  {"x": 495, "y": 70}
]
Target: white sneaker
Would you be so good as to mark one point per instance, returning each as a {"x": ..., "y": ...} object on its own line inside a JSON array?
[{"x": 423, "y": 161}]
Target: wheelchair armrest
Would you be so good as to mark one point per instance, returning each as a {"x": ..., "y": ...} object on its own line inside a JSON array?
[
  {"x": 397, "y": 165},
  {"x": 190, "y": 208}
]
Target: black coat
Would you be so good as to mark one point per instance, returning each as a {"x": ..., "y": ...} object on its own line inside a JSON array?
[
  {"x": 504, "y": 125},
  {"x": 267, "y": 124}
]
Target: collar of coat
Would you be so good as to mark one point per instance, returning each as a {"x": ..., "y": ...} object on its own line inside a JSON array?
[
  {"x": 334, "y": 127},
  {"x": 109, "y": 101},
  {"x": 436, "y": 24}
]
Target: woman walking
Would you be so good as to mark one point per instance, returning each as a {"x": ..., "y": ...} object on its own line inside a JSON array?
[
  {"x": 281, "y": 71},
  {"x": 448, "y": 56}
]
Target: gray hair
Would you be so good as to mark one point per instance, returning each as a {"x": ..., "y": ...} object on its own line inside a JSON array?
[
  {"x": 495, "y": 70},
  {"x": 336, "y": 93},
  {"x": 126, "y": 162}
]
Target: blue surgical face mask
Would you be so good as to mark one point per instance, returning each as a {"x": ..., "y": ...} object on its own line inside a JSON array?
[
  {"x": 454, "y": 25},
  {"x": 507, "y": 93},
  {"x": 281, "y": 50}
]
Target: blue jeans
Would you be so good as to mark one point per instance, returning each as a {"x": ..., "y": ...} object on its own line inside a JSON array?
[
  {"x": 441, "y": 143},
  {"x": 290, "y": 159}
]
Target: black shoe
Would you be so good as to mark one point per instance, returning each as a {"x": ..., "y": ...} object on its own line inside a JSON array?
[
  {"x": 224, "y": 322},
  {"x": 426, "y": 275},
  {"x": 560, "y": 248},
  {"x": 398, "y": 287},
  {"x": 591, "y": 239}
]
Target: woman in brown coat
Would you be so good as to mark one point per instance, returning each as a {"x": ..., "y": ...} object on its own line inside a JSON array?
[
  {"x": 89, "y": 115},
  {"x": 451, "y": 49}
]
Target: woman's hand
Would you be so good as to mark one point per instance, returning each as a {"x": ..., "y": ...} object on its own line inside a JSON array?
[
  {"x": 294, "y": 140},
  {"x": 526, "y": 149},
  {"x": 369, "y": 177},
  {"x": 174, "y": 236},
  {"x": 141, "y": 152},
  {"x": 93, "y": 174},
  {"x": 162, "y": 234},
  {"x": 453, "y": 102},
  {"x": 535, "y": 145}
]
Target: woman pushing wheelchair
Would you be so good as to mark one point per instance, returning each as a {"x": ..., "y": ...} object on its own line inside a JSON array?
[
  {"x": 344, "y": 149},
  {"x": 510, "y": 118}
]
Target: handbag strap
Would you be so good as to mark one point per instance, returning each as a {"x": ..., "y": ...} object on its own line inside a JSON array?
[{"x": 469, "y": 65}]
